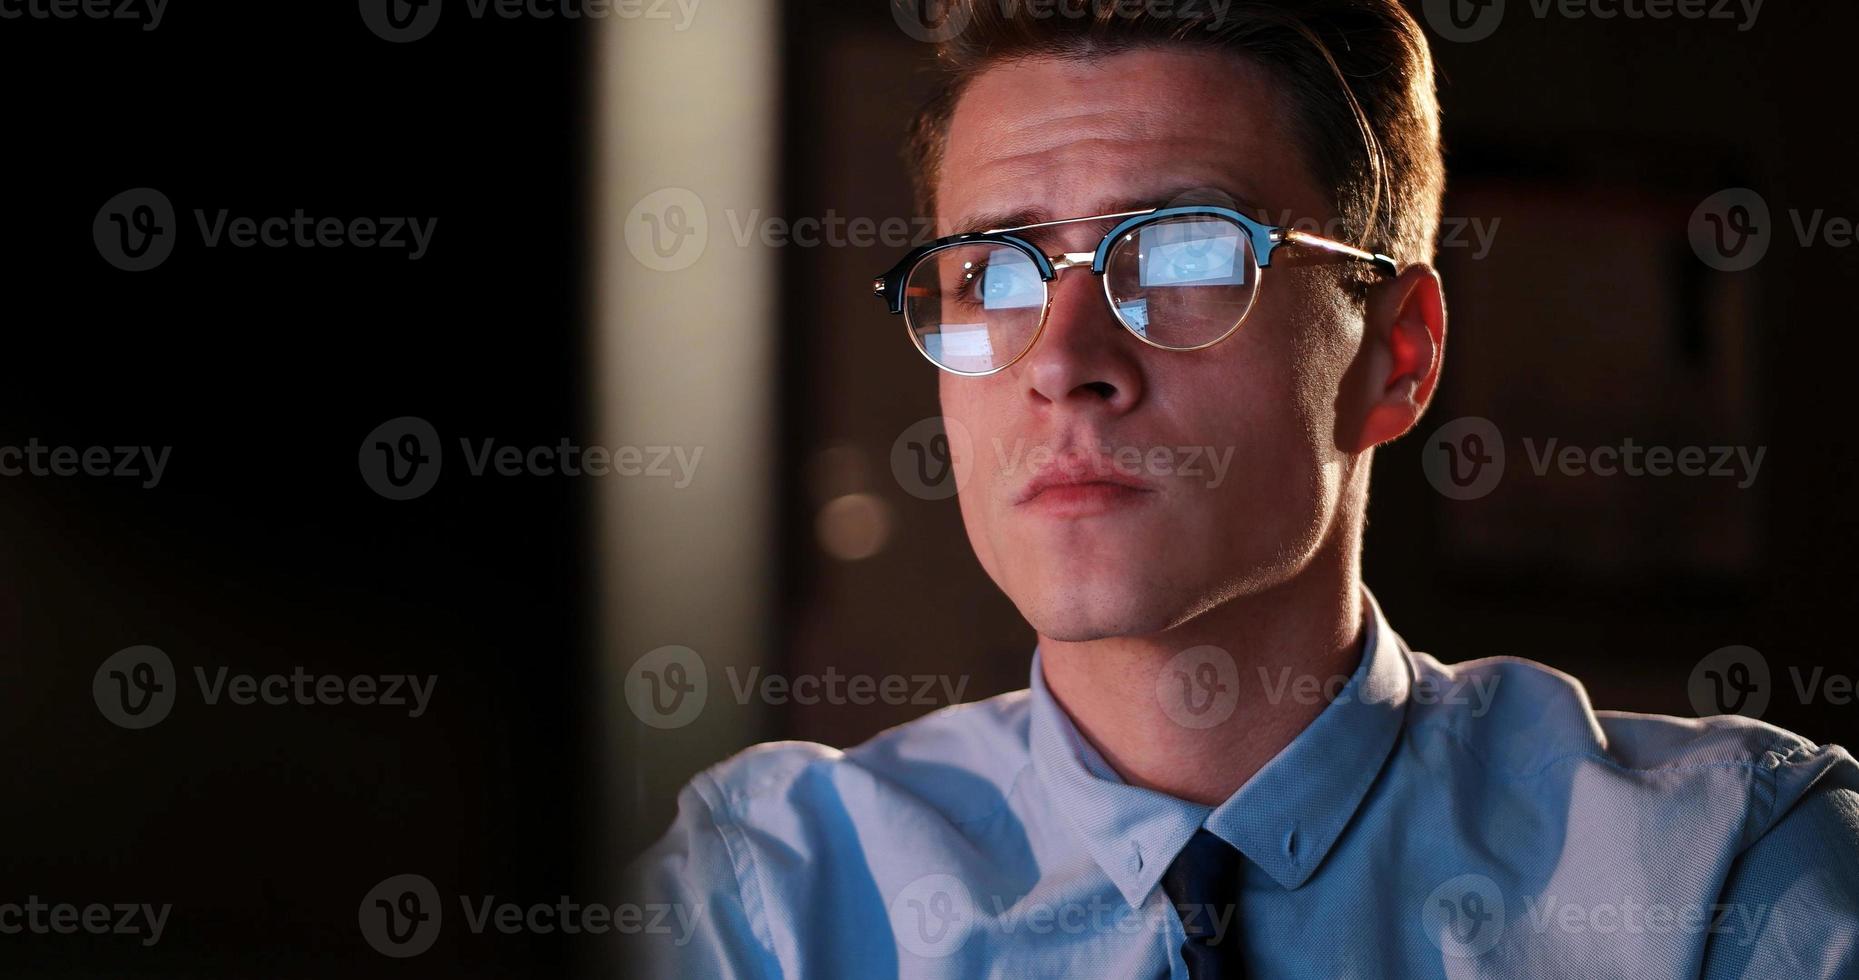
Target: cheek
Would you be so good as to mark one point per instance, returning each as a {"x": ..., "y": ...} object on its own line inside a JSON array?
[
  {"x": 1313, "y": 332},
  {"x": 1270, "y": 393},
  {"x": 965, "y": 421}
]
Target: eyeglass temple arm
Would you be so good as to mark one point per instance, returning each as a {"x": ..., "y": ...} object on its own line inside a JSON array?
[{"x": 1382, "y": 263}]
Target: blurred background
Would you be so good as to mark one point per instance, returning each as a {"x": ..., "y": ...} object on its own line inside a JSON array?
[{"x": 651, "y": 232}]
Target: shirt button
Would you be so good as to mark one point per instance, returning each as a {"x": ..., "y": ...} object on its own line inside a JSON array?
[{"x": 1135, "y": 861}]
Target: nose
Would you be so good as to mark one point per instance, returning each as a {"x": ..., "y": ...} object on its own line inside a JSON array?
[{"x": 1084, "y": 358}]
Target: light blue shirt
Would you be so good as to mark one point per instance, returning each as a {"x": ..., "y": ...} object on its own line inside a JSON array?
[{"x": 1436, "y": 820}]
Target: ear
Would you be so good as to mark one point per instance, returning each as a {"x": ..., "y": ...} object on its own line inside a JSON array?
[{"x": 1403, "y": 345}]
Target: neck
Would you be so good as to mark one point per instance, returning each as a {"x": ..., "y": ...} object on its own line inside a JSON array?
[{"x": 1287, "y": 645}]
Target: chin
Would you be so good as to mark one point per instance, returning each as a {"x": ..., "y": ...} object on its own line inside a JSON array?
[
  {"x": 1075, "y": 610},
  {"x": 1068, "y": 613}
]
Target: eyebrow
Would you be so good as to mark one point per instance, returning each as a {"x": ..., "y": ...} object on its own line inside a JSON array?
[{"x": 1033, "y": 214}]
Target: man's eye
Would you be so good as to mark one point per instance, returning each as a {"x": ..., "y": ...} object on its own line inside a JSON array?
[
  {"x": 968, "y": 284},
  {"x": 1000, "y": 282},
  {"x": 1009, "y": 285}
]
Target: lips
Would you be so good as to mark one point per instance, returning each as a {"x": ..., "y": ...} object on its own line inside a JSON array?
[{"x": 1081, "y": 475}]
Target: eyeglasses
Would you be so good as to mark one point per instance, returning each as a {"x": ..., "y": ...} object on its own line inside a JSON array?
[{"x": 1179, "y": 278}]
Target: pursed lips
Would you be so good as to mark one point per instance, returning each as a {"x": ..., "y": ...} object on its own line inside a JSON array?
[{"x": 1081, "y": 476}]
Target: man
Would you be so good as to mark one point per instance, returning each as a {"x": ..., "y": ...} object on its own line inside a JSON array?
[{"x": 1227, "y": 763}]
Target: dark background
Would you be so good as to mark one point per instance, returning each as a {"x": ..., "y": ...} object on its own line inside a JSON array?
[{"x": 263, "y": 550}]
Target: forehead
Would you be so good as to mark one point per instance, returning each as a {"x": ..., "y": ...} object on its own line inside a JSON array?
[{"x": 1056, "y": 137}]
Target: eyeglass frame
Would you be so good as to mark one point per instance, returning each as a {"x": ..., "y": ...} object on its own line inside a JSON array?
[{"x": 1265, "y": 240}]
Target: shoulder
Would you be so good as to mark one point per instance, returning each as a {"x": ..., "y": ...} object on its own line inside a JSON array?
[
  {"x": 1526, "y": 723},
  {"x": 775, "y": 827},
  {"x": 960, "y": 761}
]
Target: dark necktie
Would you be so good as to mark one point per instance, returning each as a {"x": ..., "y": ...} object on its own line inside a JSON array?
[{"x": 1203, "y": 884}]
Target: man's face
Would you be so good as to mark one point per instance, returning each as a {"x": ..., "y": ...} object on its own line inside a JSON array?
[{"x": 1053, "y": 138}]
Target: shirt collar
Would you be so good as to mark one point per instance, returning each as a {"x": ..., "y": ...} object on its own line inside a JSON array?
[{"x": 1285, "y": 818}]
